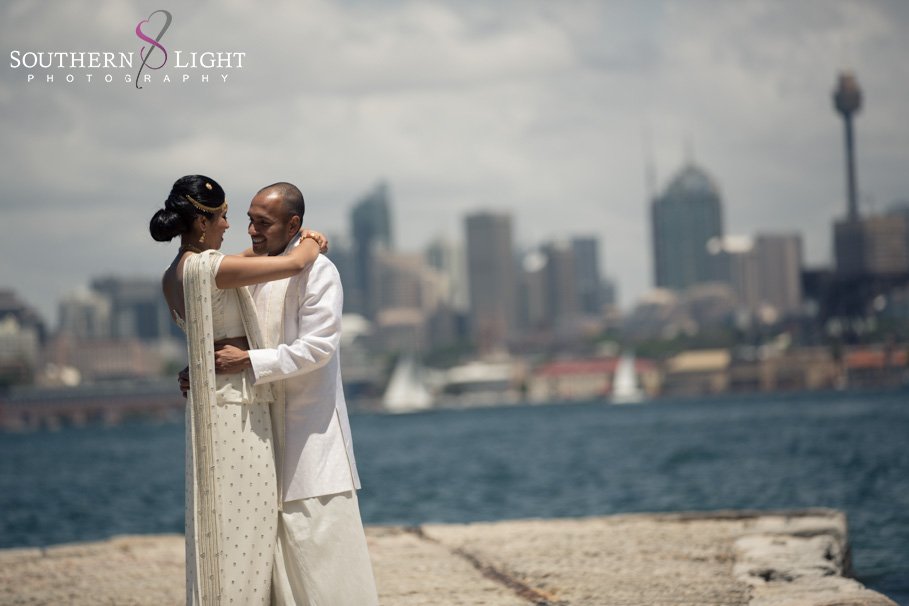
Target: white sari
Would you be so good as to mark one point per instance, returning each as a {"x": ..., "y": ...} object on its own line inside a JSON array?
[{"x": 231, "y": 488}]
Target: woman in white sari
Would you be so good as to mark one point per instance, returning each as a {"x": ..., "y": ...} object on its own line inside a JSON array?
[{"x": 231, "y": 488}]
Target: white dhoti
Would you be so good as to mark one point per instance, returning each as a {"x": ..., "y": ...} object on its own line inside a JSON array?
[{"x": 321, "y": 557}]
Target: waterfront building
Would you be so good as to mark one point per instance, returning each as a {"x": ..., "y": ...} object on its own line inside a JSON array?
[
  {"x": 696, "y": 373},
  {"x": 766, "y": 369},
  {"x": 684, "y": 219},
  {"x": 137, "y": 308},
  {"x": 108, "y": 359},
  {"x": 585, "y": 379},
  {"x": 85, "y": 314},
  {"x": 491, "y": 276},
  {"x": 26, "y": 315},
  {"x": 19, "y": 351},
  {"x": 22, "y": 334}
]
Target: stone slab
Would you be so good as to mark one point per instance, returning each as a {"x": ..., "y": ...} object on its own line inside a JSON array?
[{"x": 730, "y": 558}]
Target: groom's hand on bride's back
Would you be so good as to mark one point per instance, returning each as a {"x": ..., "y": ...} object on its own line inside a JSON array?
[
  {"x": 183, "y": 380},
  {"x": 231, "y": 356},
  {"x": 228, "y": 360}
]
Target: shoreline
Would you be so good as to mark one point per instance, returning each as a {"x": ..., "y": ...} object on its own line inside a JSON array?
[{"x": 735, "y": 557}]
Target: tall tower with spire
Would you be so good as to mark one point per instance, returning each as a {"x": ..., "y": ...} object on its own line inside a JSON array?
[
  {"x": 849, "y": 237},
  {"x": 847, "y": 99}
]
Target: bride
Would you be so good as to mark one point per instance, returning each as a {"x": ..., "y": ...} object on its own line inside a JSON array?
[{"x": 231, "y": 487}]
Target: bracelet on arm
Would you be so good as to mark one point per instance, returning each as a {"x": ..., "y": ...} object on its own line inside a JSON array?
[{"x": 312, "y": 237}]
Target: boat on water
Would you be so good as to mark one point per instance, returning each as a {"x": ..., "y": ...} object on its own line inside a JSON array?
[
  {"x": 406, "y": 391},
  {"x": 625, "y": 386}
]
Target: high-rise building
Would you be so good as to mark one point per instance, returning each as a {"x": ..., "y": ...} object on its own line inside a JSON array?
[
  {"x": 734, "y": 262},
  {"x": 448, "y": 259},
  {"x": 779, "y": 269},
  {"x": 137, "y": 308},
  {"x": 533, "y": 300},
  {"x": 762, "y": 271},
  {"x": 406, "y": 292},
  {"x": 684, "y": 218},
  {"x": 85, "y": 314},
  {"x": 561, "y": 283},
  {"x": 588, "y": 280},
  {"x": 491, "y": 275},
  {"x": 371, "y": 229}
]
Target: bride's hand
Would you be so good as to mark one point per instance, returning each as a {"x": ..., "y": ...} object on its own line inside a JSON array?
[{"x": 318, "y": 237}]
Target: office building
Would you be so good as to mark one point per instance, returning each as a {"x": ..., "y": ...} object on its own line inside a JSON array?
[
  {"x": 371, "y": 231},
  {"x": 588, "y": 281},
  {"x": 684, "y": 218},
  {"x": 491, "y": 276}
]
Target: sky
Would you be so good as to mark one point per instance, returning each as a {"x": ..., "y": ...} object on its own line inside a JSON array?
[{"x": 551, "y": 111}]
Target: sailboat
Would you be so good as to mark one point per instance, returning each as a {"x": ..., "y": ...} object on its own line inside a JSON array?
[
  {"x": 406, "y": 391},
  {"x": 625, "y": 387}
]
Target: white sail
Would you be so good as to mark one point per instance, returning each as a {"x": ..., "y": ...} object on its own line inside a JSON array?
[
  {"x": 625, "y": 388},
  {"x": 406, "y": 391}
]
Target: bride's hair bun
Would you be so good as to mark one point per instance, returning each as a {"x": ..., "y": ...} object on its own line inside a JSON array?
[{"x": 178, "y": 214}]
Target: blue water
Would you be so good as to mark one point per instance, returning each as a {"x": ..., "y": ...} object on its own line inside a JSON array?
[{"x": 846, "y": 451}]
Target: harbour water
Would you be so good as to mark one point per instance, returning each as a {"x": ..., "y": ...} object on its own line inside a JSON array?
[{"x": 845, "y": 451}]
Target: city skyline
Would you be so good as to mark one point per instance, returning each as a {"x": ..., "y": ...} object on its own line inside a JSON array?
[{"x": 543, "y": 112}]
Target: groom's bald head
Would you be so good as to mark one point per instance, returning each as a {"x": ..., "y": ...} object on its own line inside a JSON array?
[
  {"x": 290, "y": 195},
  {"x": 275, "y": 217}
]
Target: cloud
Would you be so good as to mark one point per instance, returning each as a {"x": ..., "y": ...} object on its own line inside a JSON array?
[{"x": 536, "y": 107}]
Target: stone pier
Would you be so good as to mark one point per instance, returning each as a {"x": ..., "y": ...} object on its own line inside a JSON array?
[{"x": 731, "y": 558}]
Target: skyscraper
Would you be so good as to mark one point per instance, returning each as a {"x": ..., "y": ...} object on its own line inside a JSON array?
[
  {"x": 684, "y": 218},
  {"x": 448, "y": 258},
  {"x": 561, "y": 283},
  {"x": 371, "y": 228},
  {"x": 490, "y": 272},
  {"x": 137, "y": 309},
  {"x": 587, "y": 275},
  {"x": 762, "y": 271},
  {"x": 779, "y": 268}
]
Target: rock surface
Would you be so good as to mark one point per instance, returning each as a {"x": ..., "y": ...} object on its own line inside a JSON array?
[{"x": 730, "y": 558}]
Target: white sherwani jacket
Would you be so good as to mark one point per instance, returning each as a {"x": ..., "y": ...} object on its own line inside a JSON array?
[{"x": 317, "y": 457}]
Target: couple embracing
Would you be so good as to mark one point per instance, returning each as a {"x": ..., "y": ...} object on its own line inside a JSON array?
[{"x": 271, "y": 504}]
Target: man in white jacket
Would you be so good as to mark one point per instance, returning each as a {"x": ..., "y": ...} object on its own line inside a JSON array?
[{"x": 321, "y": 555}]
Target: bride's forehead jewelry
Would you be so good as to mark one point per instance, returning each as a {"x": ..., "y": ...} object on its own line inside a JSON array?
[{"x": 206, "y": 209}]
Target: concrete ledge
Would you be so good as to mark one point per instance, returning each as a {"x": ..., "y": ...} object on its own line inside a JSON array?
[{"x": 731, "y": 558}]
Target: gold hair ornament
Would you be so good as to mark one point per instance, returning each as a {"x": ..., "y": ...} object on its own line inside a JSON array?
[{"x": 206, "y": 209}]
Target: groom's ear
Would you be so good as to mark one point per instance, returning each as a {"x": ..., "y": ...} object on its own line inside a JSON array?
[{"x": 295, "y": 224}]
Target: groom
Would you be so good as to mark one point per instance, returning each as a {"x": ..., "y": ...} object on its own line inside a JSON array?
[{"x": 321, "y": 555}]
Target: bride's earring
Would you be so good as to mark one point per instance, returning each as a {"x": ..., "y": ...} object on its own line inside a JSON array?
[{"x": 202, "y": 239}]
